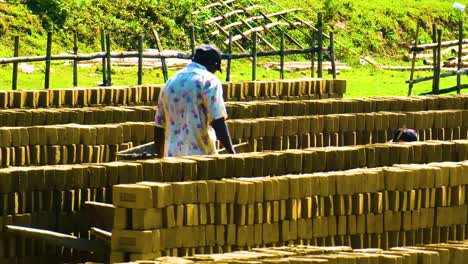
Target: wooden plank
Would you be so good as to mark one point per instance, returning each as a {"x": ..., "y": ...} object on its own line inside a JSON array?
[{"x": 59, "y": 239}]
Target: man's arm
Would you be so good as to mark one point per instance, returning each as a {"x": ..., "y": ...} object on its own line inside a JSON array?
[
  {"x": 222, "y": 133},
  {"x": 159, "y": 140}
]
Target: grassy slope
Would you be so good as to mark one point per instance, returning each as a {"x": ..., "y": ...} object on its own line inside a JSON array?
[{"x": 350, "y": 19}]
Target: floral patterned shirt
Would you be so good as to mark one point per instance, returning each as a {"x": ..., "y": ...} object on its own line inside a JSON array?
[{"x": 187, "y": 105}]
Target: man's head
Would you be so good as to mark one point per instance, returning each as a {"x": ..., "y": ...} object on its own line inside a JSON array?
[
  {"x": 208, "y": 56},
  {"x": 405, "y": 135}
]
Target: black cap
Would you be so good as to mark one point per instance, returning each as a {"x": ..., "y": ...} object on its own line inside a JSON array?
[{"x": 208, "y": 52}]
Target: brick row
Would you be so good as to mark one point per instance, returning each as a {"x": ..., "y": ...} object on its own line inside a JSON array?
[
  {"x": 85, "y": 116},
  {"x": 59, "y": 154},
  {"x": 453, "y": 252},
  {"x": 74, "y": 134},
  {"x": 272, "y": 108},
  {"x": 253, "y": 212},
  {"x": 141, "y": 95}
]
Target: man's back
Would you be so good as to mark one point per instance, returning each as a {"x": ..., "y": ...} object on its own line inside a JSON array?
[{"x": 189, "y": 102}]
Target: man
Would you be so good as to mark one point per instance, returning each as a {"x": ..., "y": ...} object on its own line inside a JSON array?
[
  {"x": 191, "y": 112},
  {"x": 404, "y": 135}
]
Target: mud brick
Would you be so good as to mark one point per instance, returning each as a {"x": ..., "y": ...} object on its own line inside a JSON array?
[
  {"x": 321, "y": 227},
  {"x": 220, "y": 234},
  {"x": 70, "y": 97},
  {"x": 152, "y": 170},
  {"x": 203, "y": 214},
  {"x": 374, "y": 223},
  {"x": 171, "y": 169},
  {"x": 211, "y": 185},
  {"x": 133, "y": 241},
  {"x": 144, "y": 219},
  {"x": 162, "y": 193},
  {"x": 88, "y": 135},
  {"x": 169, "y": 218},
  {"x": 210, "y": 235},
  {"x": 132, "y": 196},
  {"x": 5, "y": 137},
  {"x": 179, "y": 214},
  {"x": 184, "y": 192}
]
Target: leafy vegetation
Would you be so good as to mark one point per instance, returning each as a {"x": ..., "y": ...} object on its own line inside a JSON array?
[{"x": 383, "y": 29}]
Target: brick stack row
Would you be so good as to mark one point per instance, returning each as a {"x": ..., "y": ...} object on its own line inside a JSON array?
[{"x": 383, "y": 207}]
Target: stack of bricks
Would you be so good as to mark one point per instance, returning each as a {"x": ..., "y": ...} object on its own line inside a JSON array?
[
  {"x": 148, "y": 95},
  {"x": 270, "y": 108},
  {"x": 236, "y": 110},
  {"x": 383, "y": 207},
  {"x": 82, "y": 116},
  {"x": 454, "y": 252},
  {"x": 67, "y": 144},
  {"x": 299, "y": 89},
  {"x": 80, "y": 97},
  {"x": 292, "y": 132},
  {"x": 70, "y": 143},
  {"x": 52, "y": 197}
]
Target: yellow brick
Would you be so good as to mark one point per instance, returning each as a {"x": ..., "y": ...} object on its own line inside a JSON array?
[
  {"x": 132, "y": 241},
  {"x": 162, "y": 193},
  {"x": 132, "y": 196},
  {"x": 144, "y": 219}
]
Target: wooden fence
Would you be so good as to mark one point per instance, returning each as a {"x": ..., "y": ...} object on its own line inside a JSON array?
[
  {"x": 436, "y": 48},
  {"x": 316, "y": 49}
]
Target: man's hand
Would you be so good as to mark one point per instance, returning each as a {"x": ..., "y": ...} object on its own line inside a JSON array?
[
  {"x": 222, "y": 133},
  {"x": 159, "y": 139}
]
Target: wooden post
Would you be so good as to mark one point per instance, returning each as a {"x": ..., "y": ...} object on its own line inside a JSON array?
[
  {"x": 163, "y": 60},
  {"x": 413, "y": 60},
  {"x": 332, "y": 55},
  {"x": 320, "y": 46},
  {"x": 48, "y": 55},
  {"x": 254, "y": 57},
  {"x": 434, "y": 56},
  {"x": 192, "y": 40},
  {"x": 108, "y": 59},
  {"x": 103, "y": 61},
  {"x": 460, "y": 49},
  {"x": 229, "y": 60},
  {"x": 282, "y": 57},
  {"x": 75, "y": 61},
  {"x": 312, "y": 55},
  {"x": 437, "y": 74},
  {"x": 140, "y": 60},
  {"x": 14, "y": 83}
]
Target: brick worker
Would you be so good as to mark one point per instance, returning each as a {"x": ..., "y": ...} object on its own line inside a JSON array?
[
  {"x": 404, "y": 135},
  {"x": 191, "y": 112}
]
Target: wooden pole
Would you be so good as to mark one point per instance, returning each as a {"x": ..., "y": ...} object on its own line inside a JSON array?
[
  {"x": 413, "y": 60},
  {"x": 229, "y": 61},
  {"x": 75, "y": 62},
  {"x": 254, "y": 57},
  {"x": 14, "y": 83},
  {"x": 312, "y": 55},
  {"x": 460, "y": 50},
  {"x": 103, "y": 61},
  {"x": 163, "y": 60},
  {"x": 59, "y": 239},
  {"x": 332, "y": 56},
  {"x": 140, "y": 60},
  {"x": 320, "y": 46},
  {"x": 434, "y": 56},
  {"x": 192, "y": 40},
  {"x": 439, "y": 47},
  {"x": 48, "y": 54},
  {"x": 282, "y": 57},
  {"x": 108, "y": 61}
]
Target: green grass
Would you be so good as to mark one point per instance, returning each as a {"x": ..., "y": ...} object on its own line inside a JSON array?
[{"x": 363, "y": 81}]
